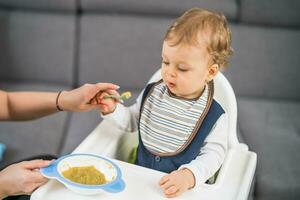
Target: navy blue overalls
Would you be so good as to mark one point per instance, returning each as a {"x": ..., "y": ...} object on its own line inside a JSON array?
[{"x": 168, "y": 164}]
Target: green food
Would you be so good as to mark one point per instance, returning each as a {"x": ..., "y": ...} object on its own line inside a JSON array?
[{"x": 88, "y": 175}]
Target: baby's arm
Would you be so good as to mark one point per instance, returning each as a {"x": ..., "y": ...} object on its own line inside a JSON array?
[
  {"x": 127, "y": 117},
  {"x": 210, "y": 159}
]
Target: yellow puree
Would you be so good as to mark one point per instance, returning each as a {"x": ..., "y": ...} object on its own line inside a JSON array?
[
  {"x": 88, "y": 175},
  {"x": 126, "y": 95}
]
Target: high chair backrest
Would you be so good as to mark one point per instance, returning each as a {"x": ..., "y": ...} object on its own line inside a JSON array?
[{"x": 224, "y": 95}]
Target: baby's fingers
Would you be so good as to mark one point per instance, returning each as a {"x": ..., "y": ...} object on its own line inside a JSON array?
[
  {"x": 171, "y": 190},
  {"x": 167, "y": 185},
  {"x": 163, "y": 179},
  {"x": 166, "y": 182},
  {"x": 104, "y": 108},
  {"x": 177, "y": 193}
]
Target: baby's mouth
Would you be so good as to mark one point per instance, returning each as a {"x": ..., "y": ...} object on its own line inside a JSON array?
[{"x": 170, "y": 85}]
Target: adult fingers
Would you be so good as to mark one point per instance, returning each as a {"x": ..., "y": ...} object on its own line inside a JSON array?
[
  {"x": 107, "y": 86},
  {"x": 34, "y": 177},
  {"x": 93, "y": 101},
  {"x": 33, "y": 187},
  {"x": 106, "y": 101},
  {"x": 96, "y": 89},
  {"x": 34, "y": 164},
  {"x": 113, "y": 92}
]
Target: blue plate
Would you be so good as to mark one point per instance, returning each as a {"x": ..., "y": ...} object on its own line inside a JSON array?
[{"x": 110, "y": 170}]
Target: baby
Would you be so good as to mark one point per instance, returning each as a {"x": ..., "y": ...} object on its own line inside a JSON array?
[{"x": 182, "y": 129}]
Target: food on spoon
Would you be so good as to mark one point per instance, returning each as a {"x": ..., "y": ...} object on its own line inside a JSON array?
[{"x": 126, "y": 95}]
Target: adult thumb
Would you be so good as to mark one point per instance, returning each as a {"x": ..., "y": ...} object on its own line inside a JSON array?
[{"x": 36, "y": 164}]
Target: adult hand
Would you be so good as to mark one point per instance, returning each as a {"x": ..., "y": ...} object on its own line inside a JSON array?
[
  {"x": 83, "y": 98},
  {"x": 22, "y": 178},
  {"x": 107, "y": 105}
]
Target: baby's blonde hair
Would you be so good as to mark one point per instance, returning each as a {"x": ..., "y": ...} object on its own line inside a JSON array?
[{"x": 210, "y": 26}]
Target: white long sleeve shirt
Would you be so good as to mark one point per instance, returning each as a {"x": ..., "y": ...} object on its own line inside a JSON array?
[{"x": 211, "y": 155}]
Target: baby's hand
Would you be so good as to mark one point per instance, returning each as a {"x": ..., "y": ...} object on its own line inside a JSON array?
[
  {"x": 177, "y": 182},
  {"x": 107, "y": 105}
]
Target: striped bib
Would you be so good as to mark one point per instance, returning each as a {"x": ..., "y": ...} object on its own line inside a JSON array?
[{"x": 167, "y": 122}]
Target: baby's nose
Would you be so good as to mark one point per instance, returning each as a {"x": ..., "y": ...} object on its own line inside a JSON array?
[{"x": 171, "y": 73}]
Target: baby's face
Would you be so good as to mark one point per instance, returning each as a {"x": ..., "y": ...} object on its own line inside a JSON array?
[{"x": 185, "y": 69}]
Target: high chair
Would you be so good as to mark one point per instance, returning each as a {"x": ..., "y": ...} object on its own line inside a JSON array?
[
  {"x": 233, "y": 180},
  {"x": 236, "y": 173}
]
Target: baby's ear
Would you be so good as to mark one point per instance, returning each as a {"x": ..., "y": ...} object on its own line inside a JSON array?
[{"x": 212, "y": 72}]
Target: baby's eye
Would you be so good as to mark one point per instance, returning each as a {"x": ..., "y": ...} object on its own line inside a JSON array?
[
  {"x": 165, "y": 62},
  {"x": 182, "y": 70}
]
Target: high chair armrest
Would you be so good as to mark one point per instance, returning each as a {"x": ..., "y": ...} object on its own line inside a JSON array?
[{"x": 236, "y": 174}]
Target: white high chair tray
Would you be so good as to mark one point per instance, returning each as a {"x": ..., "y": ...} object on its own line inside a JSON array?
[{"x": 233, "y": 182}]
